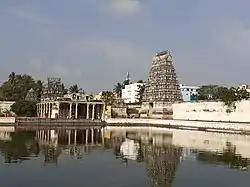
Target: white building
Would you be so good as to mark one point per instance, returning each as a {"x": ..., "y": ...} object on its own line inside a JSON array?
[
  {"x": 189, "y": 93},
  {"x": 130, "y": 93},
  {"x": 5, "y": 105},
  {"x": 245, "y": 86}
]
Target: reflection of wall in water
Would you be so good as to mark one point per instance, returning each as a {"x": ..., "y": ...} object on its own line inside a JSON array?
[
  {"x": 206, "y": 141},
  {"x": 5, "y": 133},
  {"x": 214, "y": 142}
]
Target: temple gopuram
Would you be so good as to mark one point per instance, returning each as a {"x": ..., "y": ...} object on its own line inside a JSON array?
[{"x": 162, "y": 88}]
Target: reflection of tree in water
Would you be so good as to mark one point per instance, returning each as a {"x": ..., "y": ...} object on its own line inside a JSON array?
[
  {"x": 162, "y": 163},
  {"x": 21, "y": 147},
  {"x": 228, "y": 157},
  {"x": 51, "y": 154},
  {"x": 114, "y": 143},
  {"x": 140, "y": 156}
]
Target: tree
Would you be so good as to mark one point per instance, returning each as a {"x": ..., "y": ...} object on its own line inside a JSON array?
[
  {"x": 17, "y": 87},
  {"x": 118, "y": 89},
  {"x": 140, "y": 81},
  {"x": 76, "y": 89},
  {"x": 21, "y": 147},
  {"x": 140, "y": 92},
  {"x": 125, "y": 82},
  {"x": 208, "y": 92},
  {"x": 65, "y": 90},
  {"x": 108, "y": 97},
  {"x": 24, "y": 108},
  {"x": 232, "y": 95}
]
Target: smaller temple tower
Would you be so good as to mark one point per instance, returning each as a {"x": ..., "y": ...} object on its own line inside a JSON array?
[{"x": 53, "y": 89}]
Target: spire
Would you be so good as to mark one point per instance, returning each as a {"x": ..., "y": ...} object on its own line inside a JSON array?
[{"x": 128, "y": 76}]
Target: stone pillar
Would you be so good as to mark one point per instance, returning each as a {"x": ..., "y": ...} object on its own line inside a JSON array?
[
  {"x": 70, "y": 110},
  {"x": 37, "y": 110},
  {"x": 93, "y": 111},
  {"x": 42, "y": 107},
  {"x": 76, "y": 113},
  {"x": 49, "y": 110},
  {"x": 87, "y": 115},
  {"x": 103, "y": 112},
  {"x": 45, "y": 109},
  {"x": 40, "y": 110}
]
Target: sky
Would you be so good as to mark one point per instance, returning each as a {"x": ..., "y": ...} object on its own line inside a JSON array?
[{"x": 93, "y": 43}]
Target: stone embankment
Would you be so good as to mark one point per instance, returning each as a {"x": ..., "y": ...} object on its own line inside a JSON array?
[
  {"x": 227, "y": 127},
  {"x": 212, "y": 126},
  {"x": 24, "y": 122}
]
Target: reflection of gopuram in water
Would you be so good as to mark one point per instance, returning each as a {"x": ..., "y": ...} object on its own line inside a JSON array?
[
  {"x": 161, "y": 158},
  {"x": 76, "y": 143},
  {"x": 162, "y": 163}
]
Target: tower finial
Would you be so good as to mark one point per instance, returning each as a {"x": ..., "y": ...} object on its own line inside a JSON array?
[{"x": 128, "y": 76}]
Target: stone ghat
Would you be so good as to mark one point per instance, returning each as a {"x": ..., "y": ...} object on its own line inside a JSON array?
[
  {"x": 224, "y": 127},
  {"x": 33, "y": 121}
]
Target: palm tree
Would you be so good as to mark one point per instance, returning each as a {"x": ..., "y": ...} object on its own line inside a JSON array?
[
  {"x": 118, "y": 89},
  {"x": 76, "y": 89}
]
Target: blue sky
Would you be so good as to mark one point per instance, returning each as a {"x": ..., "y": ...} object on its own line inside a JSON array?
[{"x": 95, "y": 42}]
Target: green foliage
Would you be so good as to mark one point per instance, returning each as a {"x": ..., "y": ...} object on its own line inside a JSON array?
[
  {"x": 208, "y": 92},
  {"x": 229, "y": 96},
  {"x": 232, "y": 95},
  {"x": 24, "y": 108},
  {"x": 21, "y": 146},
  {"x": 119, "y": 86},
  {"x": 141, "y": 92},
  {"x": 140, "y": 81},
  {"x": 118, "y": 89},
  {"x": 17, "y": 87},
  {"x": 125, "y": 82},
  {"x": 76, "y": 89},
  {"x": 108, "y": 97}
]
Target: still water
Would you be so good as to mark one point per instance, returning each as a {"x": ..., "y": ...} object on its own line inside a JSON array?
[{"x": 123, "y": 157}]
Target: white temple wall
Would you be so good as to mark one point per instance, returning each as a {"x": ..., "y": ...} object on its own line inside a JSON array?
[{"x": 211, "y": 111}]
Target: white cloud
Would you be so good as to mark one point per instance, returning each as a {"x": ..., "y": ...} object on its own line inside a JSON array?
[{"x": 124, "y": 6}]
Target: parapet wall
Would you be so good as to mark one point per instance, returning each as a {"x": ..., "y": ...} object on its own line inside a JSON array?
[{"x": 212, "y": 111}]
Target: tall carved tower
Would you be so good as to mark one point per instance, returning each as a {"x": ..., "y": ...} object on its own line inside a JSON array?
[{"x": 162, "y": 88}]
